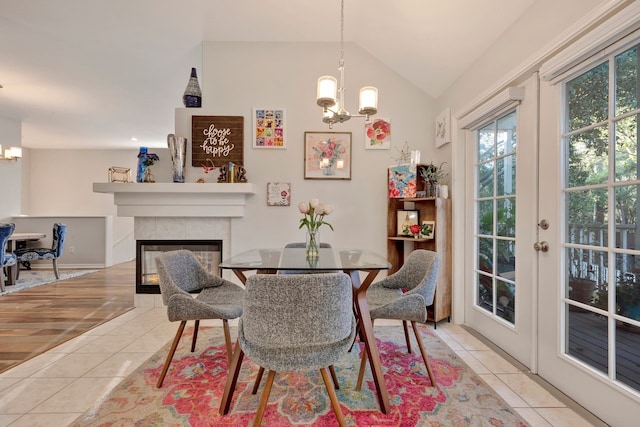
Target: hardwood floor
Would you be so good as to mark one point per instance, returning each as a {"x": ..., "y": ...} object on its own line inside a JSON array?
[{"x": 35, "y": 320}]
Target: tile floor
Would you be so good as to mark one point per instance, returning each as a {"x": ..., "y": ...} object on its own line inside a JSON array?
[{"x": 54, "y": 388}]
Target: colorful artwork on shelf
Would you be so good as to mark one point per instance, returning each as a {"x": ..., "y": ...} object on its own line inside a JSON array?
[{"x": 402, "y": 181}]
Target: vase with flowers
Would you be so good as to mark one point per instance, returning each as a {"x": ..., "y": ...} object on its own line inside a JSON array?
[
  {"x": 313, "y": 217},
  {"x": 145, "y": 161}
]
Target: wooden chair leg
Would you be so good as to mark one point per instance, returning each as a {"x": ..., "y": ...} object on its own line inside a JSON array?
[
  {"x": 256, "y": 383},
  {"x": 355, "y": 337},
  {"x": 406, "y": 335},
  {"x": 195, "y": 336},
  {"x": 55, "y": 268},
  {"x": 332, "y": 396},
  {"x": 167, "y": 362},
  {"x": 264, "y": 398},
  {"x": 232, "y": 379},
  {"x": 2, "y": 279},
  {"x": 424, "y": 354},
  {"x": 363, "y": 365},
  {"x": 334, "y": 377},
  {"x": 227, "y": 339},
  {"x": 17, "y": 271}
]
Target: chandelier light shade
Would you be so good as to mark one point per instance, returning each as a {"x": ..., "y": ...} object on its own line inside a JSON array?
[
  {"x": 327, "y": 90},
  {"x": 330, "y": 95},
  {"x": 368, "y": 101}
]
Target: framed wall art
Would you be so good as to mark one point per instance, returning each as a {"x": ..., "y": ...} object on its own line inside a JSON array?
[
  {"x": 218, "y": 138},
  {"x": 377, "y": 134},
  {"x": 327, "y": 155},
  {"x": 269, "y": 128},
  {"x": 278, "y": 194},
  {"x": 405, "y": 219},
  {"x": 443, "y": 128}
]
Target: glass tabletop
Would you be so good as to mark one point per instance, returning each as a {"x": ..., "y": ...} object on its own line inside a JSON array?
[{"x": 296, "y": 259}]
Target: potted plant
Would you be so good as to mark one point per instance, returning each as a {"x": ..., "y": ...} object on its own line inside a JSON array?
[
  {"x": 627, "y": 297},
  {"x": 432, "y": 175}
]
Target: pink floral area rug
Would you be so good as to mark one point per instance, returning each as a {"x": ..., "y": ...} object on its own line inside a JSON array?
[{"x": 193, "y": 387}]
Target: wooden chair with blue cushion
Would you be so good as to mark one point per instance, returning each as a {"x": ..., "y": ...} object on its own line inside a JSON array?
[
  {"x": 7, "y": 259},
  {"x": 53, "y": 253}
]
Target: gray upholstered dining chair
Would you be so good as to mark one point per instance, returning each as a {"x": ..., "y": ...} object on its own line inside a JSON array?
[
  {"x": 7, "y": 259},
  {"x": 405, "y": 295},
  {"x": 53, "y": 253},
  {"x": 297, "y": 322},
  {"x": 181, "y": 274}
]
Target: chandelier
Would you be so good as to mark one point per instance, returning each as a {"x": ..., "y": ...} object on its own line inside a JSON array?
[{"x": 333, "y": 110}]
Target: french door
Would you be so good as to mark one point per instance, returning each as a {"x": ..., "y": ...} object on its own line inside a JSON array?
[
  {"x": 589, "y": 287},
  {"x": 501, "y": 152}
]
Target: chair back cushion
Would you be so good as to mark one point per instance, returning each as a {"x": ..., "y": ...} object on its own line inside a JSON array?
[
  {"x": 422, "y": 266},
  {"x": 59, "y": 235},
  {"x": 6, "y": 230},
  {"x": 298, "y": 310},
  {"x": 180, "y": 272}
]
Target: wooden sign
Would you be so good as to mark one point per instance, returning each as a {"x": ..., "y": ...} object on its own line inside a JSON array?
[{"x": 219, "y": 138}]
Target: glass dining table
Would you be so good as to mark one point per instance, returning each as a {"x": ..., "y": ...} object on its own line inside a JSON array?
[{"x": 350, "y": 261}]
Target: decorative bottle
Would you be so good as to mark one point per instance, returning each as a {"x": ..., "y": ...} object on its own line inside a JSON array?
[{"x": 192, "y": 97}]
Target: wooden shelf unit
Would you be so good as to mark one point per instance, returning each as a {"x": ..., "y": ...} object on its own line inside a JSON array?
[{"x": 430, "y": 209}]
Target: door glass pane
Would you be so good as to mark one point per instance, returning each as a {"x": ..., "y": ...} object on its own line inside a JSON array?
[
  {"x": 627, "y": 81},
  {"x": 587, "y": 157},
  {"x": 627, "y": 149},
  {"x": 626, "y": 210},
  {"x": 586, "y": 217},
  {"x": 588, "y": 98},
  {"x": 627, "y": 356},
  {"x": 495, "y": 217},
  {"x": 485, "y": 217},
  {"x": 486, "y": 143},
  {"x": 506, "y": 138},
  {"x": 506, "y": 175},
  {"x": 587, "y": 337},
  {"x": 485, "y": 179},
  {"x": 586, "y": 279}
]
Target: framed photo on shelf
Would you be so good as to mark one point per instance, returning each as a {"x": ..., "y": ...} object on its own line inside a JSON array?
[
  {"x": 405, "y": 219},
  {"x": 327, "y": 155},
  {"x": 268, "y": 128},
  {"x": 428, "y": 229}
]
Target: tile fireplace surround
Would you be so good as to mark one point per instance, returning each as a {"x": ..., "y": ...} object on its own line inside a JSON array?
[{"x": 179, "y": 211}]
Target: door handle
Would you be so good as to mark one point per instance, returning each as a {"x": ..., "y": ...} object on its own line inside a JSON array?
[{"x": 541, "y": 246}]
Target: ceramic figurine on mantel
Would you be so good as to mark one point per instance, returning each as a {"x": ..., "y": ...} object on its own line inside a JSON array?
[{"x": 192, "y": 97}]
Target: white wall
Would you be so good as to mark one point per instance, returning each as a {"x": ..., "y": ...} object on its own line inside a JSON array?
[
  {"x": 62, "y": 185},
  {"x": 10, "y": 171},
  {"x": 240, "y": 76},
  {"x": 236, "y": 78}
]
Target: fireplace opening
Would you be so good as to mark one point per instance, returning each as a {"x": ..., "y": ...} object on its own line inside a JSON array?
[{"x": 209, "y": 252}]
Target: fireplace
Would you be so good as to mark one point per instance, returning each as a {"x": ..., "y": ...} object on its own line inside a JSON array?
[{"x": 209, "y": 252}]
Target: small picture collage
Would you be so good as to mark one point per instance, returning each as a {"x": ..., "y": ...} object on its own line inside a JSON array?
[{"x": 269, "y": 128}]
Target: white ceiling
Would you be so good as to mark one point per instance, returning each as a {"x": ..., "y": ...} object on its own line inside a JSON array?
[{"x": 93, "y": 74}]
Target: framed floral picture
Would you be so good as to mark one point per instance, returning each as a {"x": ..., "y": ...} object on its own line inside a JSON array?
[
  {"x": 268, "y": 128},
  {"x": 327, "y": 155},
  {"x": 278, "y": 194},
  {"x": 443, "y": 128},
  {"x": 406, "y": 218},
  {"x": 377, "y": 134},
  {"x": 428, "y": 229}
]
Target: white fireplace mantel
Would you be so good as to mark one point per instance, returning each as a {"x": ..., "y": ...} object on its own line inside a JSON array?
[{"x": 169, "y": 199}]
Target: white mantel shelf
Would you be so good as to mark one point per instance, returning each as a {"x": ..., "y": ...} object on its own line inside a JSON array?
[{"x": 169, "y": 199}]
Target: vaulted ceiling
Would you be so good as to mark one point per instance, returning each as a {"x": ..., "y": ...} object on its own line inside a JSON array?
[{"x": 92, "y": 74}]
